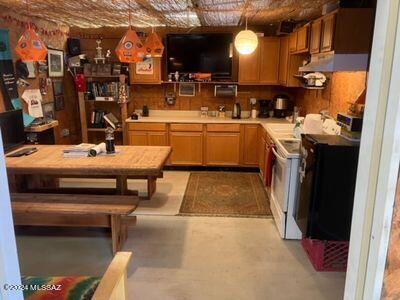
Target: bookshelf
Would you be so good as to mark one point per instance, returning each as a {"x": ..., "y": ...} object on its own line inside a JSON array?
[{"x": 86, "y": 106}]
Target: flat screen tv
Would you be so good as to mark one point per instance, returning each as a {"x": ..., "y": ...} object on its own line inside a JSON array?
[
  {"x": 203, "y": 53},
  {"x": 12, "y": 129}
]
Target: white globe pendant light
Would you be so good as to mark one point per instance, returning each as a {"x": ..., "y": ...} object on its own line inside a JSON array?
[{"x": 246, "y": 41}]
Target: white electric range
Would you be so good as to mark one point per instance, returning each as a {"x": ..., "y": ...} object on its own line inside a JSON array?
[{"x": 285, "y": 179}]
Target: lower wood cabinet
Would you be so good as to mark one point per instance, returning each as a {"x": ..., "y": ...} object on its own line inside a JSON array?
[
  {"x": 223, "y": 148},
  {"x": 250, "y": 144},
  {"x": 148, "y": 138},
  {"x": 187, "y": 148}
]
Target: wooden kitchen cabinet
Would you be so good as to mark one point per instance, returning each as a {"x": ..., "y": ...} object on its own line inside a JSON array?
[
  {"x": 223, "y": 148},
  {"x": 283, "y": 60},
  {"x": 302, "y": 44},
  {"x": 187, "y": 148},
  {"x": 138, "y": 138},
  {"x": 248, "y": 66},
  {"x": 315, "y": 36},
  {"x": 328, "y": 30},
  {"x": 289, "y": 64},
  {"x": 293, "y": 42},
  {"x": 250, "y": 144},
  {"x": 262, "y": 66},
  {"x": 147, "y": 138},
  {"x": 154, "y": 78},
  {"x": 269, "y": 60}
]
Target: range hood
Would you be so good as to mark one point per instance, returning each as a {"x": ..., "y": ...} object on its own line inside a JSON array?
[{"x": 334, "y": 62}]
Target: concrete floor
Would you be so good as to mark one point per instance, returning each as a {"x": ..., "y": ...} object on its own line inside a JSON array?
[{"x": 186, "y": 257}]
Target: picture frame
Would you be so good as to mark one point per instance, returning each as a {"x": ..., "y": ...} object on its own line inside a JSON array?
[
  {"x": 145, "y": 67},
  {"x": 55, "y": 60},
  {"x": 187, "y": 89}
]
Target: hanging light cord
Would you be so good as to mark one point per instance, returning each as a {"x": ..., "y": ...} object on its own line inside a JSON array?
[
  {"x": 28, "y": 13},
  {"x": 129, "y": 8}
]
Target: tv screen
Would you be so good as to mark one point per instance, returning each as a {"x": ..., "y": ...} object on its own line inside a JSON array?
[
  {"x": 12, "y": 129},
  {"x": 203, "y": 53}
]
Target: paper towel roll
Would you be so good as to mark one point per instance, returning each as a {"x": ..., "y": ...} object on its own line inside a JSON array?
[{"x": 96, "y": 150}]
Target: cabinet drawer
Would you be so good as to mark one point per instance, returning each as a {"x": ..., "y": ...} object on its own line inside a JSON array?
[
  {"x": 147, "y": 126},
  {"x": 186, "y": 127},
  {"x": 223, "y": 127}
]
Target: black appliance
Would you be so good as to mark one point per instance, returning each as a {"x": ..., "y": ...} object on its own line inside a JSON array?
[
  {"x": 12, "y": 129},
  {"x": 328, "y": 173},
  {"x": 265, "y": 108},
  {"x": 282, "y": 105},
  {"x": 74, "y": 46},
  {"x": 200, "y": 53},
  {"x": 237, "y": 111}
]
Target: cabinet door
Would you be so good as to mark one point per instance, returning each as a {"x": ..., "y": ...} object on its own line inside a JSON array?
[
  {"x": 155, "y": 138},
  {"x": 249, "y": 66},
  {"x": 328, "y": 30},
  {"x": 138, "y": 138},
  {"x": 250, "y": 145},
  {"x": 187, "y": 148},
  {"x": 302, "y": 39},
  {"x": 315, "y": 39},
  {"x": 269, "y": 60},
  {"x": 154, "y": 77},
  {"x": 223, "y": 148},
  {"x": 293, "y": 42},
  {"x": 283, "y": 60}
]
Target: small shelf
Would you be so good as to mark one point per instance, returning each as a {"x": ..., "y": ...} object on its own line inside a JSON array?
[
  {"x": 102, "y": 129},
  {"x": 313, "y": 87},
  {"x": 108, "y": 101},
  {"x": 201, "y": 82},
  {"x": 104, "y": 76}
]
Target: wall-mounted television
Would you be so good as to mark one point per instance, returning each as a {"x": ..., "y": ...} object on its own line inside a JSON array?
[{"x": 203, "y": 53}]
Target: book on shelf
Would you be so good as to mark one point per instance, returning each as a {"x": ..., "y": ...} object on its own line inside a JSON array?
[
  {"x": 96, "y": 118},
  {"x": 112, "y": 120},
  {"x": 104, "y": 91}
]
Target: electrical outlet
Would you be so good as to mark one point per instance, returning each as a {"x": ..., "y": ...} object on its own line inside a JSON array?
[{"x": 65, "y": 132}]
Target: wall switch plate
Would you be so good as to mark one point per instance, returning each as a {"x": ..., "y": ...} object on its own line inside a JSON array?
[{"x": 65, "y": 132}]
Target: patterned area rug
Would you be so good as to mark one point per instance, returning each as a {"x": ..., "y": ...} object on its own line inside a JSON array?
[{"x": 225, "y": 194}]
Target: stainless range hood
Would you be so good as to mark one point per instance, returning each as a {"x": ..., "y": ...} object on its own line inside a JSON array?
[{"x": 334, "y": 62}]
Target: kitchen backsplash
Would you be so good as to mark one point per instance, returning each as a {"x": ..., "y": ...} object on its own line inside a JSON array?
[
  {"x": 342, "y": 88},
  {"x": 154, "y": 97}
]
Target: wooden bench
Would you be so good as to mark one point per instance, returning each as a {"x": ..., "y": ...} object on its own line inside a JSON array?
[{"x": 77, "y": 210}]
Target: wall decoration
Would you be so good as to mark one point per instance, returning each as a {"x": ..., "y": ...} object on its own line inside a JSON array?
[
  {"x": 58, "y": 92},
  {"x": 145, "y": 67},
  {"x": 55, "y": 62},
  {"x": 187, "y": 89},
  {"x": 48, "y": 111},
  {"x": 34, "y": 100},
  {"x": 7, "y": 77},
  {"x": 153, "y": 45},
  {"x": 30, "y": 47}
]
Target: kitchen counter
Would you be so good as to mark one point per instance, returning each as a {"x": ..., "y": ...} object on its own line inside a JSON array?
[{"x": 193, "y": 117}]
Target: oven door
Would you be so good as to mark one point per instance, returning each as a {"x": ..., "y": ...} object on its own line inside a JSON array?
[{"x": 281, "y": 180}]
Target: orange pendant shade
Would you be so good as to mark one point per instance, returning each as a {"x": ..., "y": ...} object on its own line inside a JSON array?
[
  {"x": 30, "y": 47},
  {"x": 153, "y": 46},
  {"x": 130, "y": 49}
]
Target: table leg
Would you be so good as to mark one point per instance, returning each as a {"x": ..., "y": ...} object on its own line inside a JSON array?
[
  {"x": 122, "y": 185},
  {"x": 151, "y": 186}
]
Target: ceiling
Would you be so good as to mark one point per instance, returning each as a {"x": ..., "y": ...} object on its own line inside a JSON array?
[{"x": 175, "y": 13}]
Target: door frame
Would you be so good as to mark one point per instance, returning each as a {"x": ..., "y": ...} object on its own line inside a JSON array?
[
  {"x": 379, "y": 160},
  {"x": 9, "y": 266}
]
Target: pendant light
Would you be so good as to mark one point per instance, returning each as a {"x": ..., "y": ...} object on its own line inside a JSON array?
[
  {"x": 153, "y": 45},
  {"x": 246, "y": 41},
  {"x": 130, "y": 48},
  {"x": 30, "y": 47}
]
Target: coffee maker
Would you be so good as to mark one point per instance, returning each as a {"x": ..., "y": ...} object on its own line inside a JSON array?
[
  {"x": 282, "y": 105},
  {"x": 265, "y": 107}
]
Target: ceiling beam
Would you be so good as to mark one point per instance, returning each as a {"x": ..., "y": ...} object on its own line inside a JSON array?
[
  {"x": 148, "y": 8},
  {"x": 199, "y": 13}
]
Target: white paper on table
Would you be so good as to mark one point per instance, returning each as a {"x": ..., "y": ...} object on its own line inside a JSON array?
[{"x": 34, "y": 100}]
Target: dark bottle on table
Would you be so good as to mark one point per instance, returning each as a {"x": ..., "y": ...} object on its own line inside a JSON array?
[
  {"x": 145, "y": 111},
  {"x": 110, "y": 142}
]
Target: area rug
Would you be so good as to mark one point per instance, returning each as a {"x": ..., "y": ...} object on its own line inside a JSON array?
[{"x": 230, "y": 194}]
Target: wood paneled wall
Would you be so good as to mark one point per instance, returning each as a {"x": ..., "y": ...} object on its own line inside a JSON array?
[
  {"x": 68, "y": 118},
  {"x": 342, "y": 88}
]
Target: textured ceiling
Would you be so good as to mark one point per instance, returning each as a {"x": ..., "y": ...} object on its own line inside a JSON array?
[{"x": 179, "y": 13}]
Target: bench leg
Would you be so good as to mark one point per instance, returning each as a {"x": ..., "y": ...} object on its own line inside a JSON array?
[{"x": 119, "y": 233}]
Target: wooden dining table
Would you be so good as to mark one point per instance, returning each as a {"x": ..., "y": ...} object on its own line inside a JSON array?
[{"x": 39, "y": 169}]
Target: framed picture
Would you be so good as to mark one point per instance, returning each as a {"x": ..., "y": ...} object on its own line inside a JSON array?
[
  {"x": 145, "y": 67},
  {"x": 55, "y": 62},
  {"x": 187, "y": 89},
  {"x": 58, "y": 93}
]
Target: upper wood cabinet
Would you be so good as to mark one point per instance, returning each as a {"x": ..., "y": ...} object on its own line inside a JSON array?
[
  {"x": 283, "y": 60},
  {"x": 293, "y": 42},
  {"x": 269, "y": 60},
  {"x": 299, "y": 40},
  {"x": 315, "y": 39},
  {"x": 261, "y": 66},
  {"x": 328, "y": 30},
  {"x": 154, "y": 78}
]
